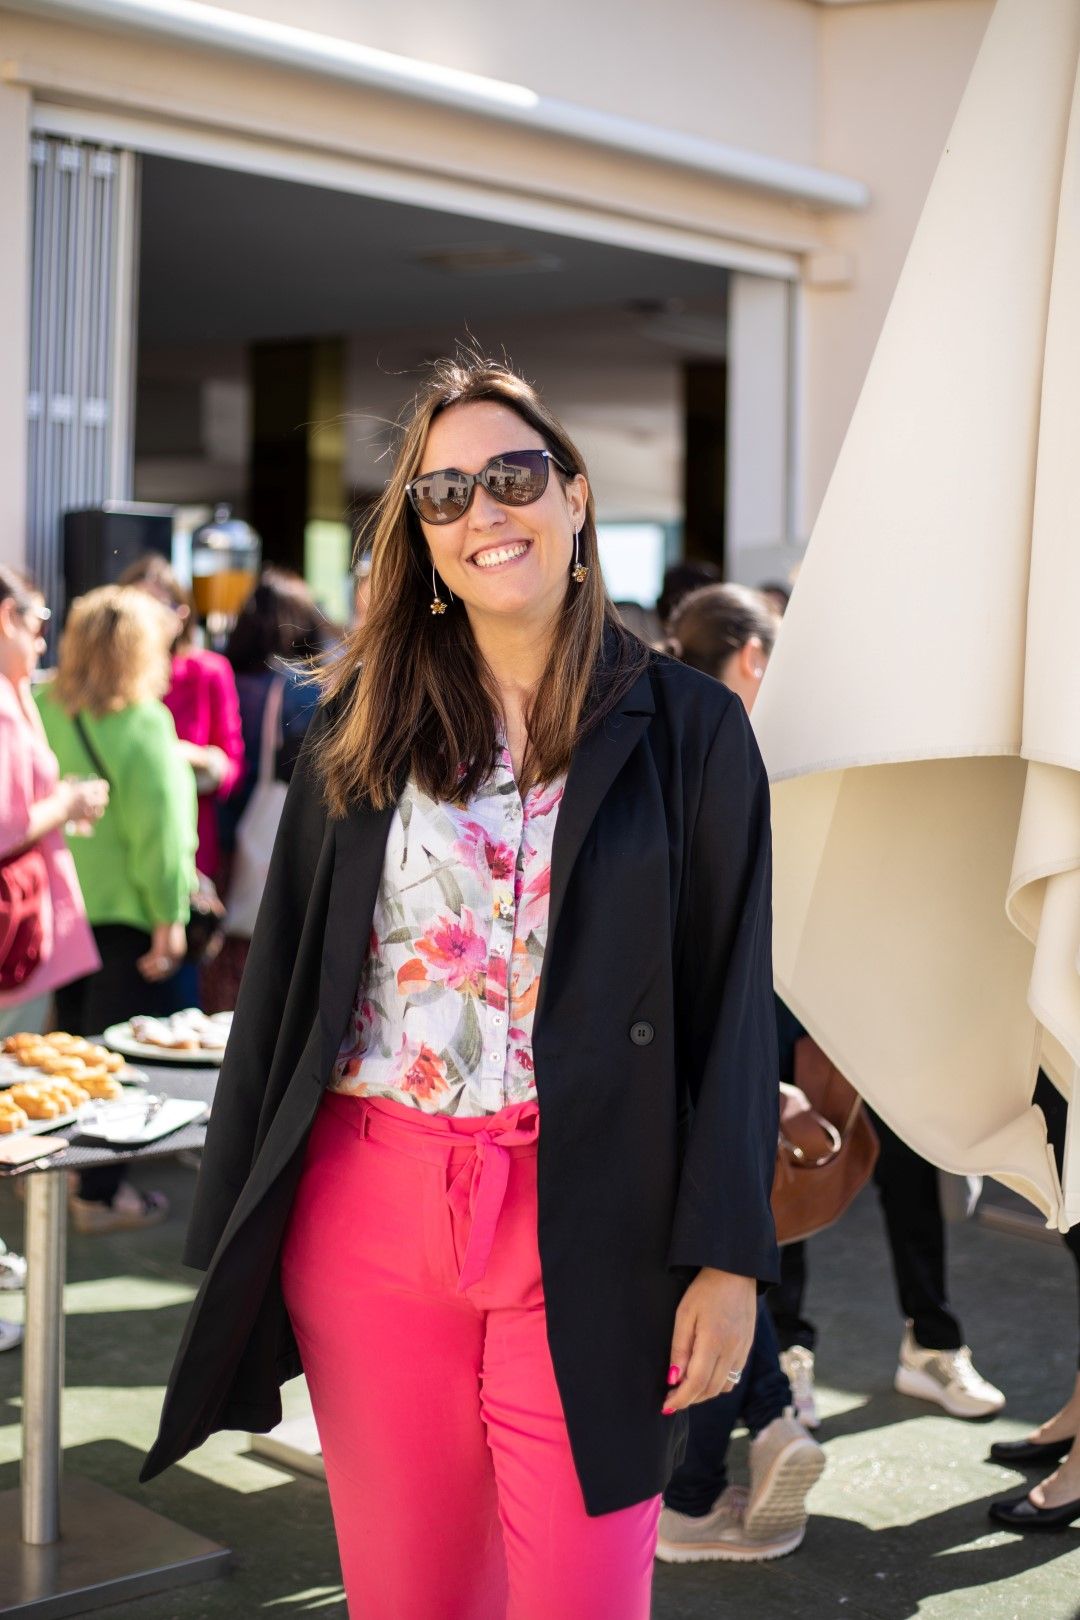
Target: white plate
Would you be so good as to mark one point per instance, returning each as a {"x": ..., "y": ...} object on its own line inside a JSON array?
[
  {"x": 120, "y": 1038},
  {"x": 123, "y": 1123}
]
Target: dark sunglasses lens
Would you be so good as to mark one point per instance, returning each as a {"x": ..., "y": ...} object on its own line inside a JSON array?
[
  {"x": 518, "y": 478},
  {"x": 440, "y": 497}
]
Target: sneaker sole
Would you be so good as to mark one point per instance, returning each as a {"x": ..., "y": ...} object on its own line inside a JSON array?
[
  {"x": 729, "y": 1552},
  {"x": 778, "y": 1508},
  {"x": 910, "y": 1381}
]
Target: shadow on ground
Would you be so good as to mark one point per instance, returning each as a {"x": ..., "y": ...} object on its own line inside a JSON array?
[{"x": 899, "y": 1526}]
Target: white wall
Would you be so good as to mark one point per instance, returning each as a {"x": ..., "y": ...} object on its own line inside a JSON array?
[{"x": 736, "y": 70}]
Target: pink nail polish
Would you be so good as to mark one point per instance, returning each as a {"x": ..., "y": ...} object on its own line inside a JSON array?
[
  {"x": 667, "y": 1411},
  {"x": 674, "y": 1374}
]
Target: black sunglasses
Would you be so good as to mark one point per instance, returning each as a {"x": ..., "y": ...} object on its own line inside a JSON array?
[{"x": 515, "y": 478}]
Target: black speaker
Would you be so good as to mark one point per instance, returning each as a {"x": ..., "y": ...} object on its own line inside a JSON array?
[{"x": 100, "y": 542}]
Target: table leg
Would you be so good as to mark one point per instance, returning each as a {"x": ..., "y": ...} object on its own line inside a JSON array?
[{"x": 43, "y": 1356}]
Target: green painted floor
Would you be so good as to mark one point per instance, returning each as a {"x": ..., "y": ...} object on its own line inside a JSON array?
[{"x": 899, "y": 1521}]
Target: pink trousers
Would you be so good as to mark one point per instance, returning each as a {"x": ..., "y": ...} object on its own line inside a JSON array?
[{"x": 412, "y": 1278}]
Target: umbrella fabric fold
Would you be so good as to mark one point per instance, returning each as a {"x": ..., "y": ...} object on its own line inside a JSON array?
[{"x": 920, "y": 718}]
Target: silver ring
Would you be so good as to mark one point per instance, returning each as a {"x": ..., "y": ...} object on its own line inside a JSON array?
[{"x": 734, "y": 1376}]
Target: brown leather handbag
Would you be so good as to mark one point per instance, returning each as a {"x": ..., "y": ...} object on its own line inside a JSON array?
[{"x": 827, "y": 1148}]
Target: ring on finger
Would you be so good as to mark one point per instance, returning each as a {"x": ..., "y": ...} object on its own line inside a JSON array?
[{"x": 735, "y": 1374}]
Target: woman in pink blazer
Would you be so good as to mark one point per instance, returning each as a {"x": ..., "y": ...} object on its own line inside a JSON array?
[{"x": 34, "y": 807}]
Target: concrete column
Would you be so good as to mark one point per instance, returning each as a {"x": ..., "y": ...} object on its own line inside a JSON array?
[
  {"x": 15, "y": 302},
  {"x": 762, "y": 449}
]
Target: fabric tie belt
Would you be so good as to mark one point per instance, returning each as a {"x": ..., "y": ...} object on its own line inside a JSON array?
[{"x": 476, "y": 1187}]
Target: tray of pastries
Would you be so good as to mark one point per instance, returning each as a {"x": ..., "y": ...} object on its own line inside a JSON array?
[
  {"x": 96, "y": 1070},
  {"x": 47, "y": 1081},
  {"x": 190, "y": 1037},
  {"x": 35, "y": 1105}
]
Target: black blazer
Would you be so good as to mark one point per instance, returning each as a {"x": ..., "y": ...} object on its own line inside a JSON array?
[{"x": 655, "y": 1052}]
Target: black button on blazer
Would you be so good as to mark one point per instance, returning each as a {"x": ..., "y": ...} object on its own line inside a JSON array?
[{"x": 655, "y": 1153}]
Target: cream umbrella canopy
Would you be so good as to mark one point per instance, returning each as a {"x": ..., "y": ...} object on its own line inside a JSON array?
[{"x": 920, "y": 718}]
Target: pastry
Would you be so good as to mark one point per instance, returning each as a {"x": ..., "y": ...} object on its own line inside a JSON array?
[
  {"x": 62, "y": 1064},
  {"x": 102, "y": 1087},
  {"x": 12, "y": 1119},
  {"x": 75, "y": 1093},
  {"x": 39, "y": 1102}
]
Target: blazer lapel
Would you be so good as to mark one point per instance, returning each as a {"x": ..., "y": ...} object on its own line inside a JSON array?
[
  {"x": 597, "y": 761},
  {"x": 360, "y": 845}
]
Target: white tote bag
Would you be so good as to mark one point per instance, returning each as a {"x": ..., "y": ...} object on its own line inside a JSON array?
[{"x": 257, "y": 827}]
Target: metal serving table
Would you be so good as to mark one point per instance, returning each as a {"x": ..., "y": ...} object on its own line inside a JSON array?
[{"x": 70, "y": 1546}]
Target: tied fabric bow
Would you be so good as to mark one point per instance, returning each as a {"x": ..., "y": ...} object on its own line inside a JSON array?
[{"x": 479, "y": 1187}]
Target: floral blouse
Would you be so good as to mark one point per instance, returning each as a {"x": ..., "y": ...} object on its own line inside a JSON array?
[{"x": 443, "y": 1015}]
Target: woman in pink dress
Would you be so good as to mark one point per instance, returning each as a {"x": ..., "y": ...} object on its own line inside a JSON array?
[{"x": 203, "y": 702}]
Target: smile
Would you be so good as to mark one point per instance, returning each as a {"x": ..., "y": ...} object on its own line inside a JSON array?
[{"x": 500, "y": 556}]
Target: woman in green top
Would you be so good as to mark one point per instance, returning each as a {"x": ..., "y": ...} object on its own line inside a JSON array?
[{"x": 103, "y": 715}]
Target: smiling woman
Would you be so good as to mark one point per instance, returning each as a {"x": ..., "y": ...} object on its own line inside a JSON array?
[
  {"x": 489, "y": 501},
  {"x": 493, "y": 1142}
]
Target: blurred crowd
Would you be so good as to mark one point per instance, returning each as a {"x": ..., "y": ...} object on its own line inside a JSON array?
[{"x": 147, "y": 772}]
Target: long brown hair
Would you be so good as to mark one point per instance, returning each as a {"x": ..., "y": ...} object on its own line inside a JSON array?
[{"x": 425, "y": 702}]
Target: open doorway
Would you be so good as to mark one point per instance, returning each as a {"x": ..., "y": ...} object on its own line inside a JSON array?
[{"x": 282, "y": 327}]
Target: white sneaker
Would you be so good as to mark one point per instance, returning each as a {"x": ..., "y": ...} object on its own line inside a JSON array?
[
  {"x": 785, "y": 1462},
  {"x": 720, "y": 1534},
  {"x": 12, "y": 1271},
  {"x": 11, "y": 1335},
  {"x": 947, "y": 1377},
  {"x": 798, "y": 1365}
]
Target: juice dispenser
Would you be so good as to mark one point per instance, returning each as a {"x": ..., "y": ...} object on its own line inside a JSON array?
[{"x": 226, "y": 555}]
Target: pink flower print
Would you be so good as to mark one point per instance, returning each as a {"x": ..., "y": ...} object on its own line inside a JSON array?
[
  {"x": 495, "y": 984},
  {"x": 534, "y": 900},
  {"x": 524, "y": 1060},
  {"x": 418, "y": 1070},
  {"x": 484, "y": 854},
  {"x": 541, "y": 801},
  {"x": 454, "y": 953}
]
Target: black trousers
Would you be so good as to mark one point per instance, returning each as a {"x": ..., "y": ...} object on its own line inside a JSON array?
[
  {"x": 1055, "y": 1111},
  {"x": 116, "y": 992},
  {"x": 911, "y": 1204}
]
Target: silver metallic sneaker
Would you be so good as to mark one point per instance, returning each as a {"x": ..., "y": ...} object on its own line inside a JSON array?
[
  {"x": 946, "y": 1377},
  {"x": 785, "y": 1462},
  {"x": 720, "y": 1534},
  {"x": 798, "y": 1365}
]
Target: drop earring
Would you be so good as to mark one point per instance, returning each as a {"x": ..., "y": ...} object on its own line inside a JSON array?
[
  {"x": 438, "y": 605},
  {"x": 578, "y": 572}
]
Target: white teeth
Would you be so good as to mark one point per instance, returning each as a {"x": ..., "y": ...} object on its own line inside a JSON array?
[{"x": 492, "y": 559}]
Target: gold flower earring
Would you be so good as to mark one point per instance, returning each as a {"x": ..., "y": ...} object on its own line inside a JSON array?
[
  {"x": 438, "y": 605},
  {"x": 578, "y": 573}
]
